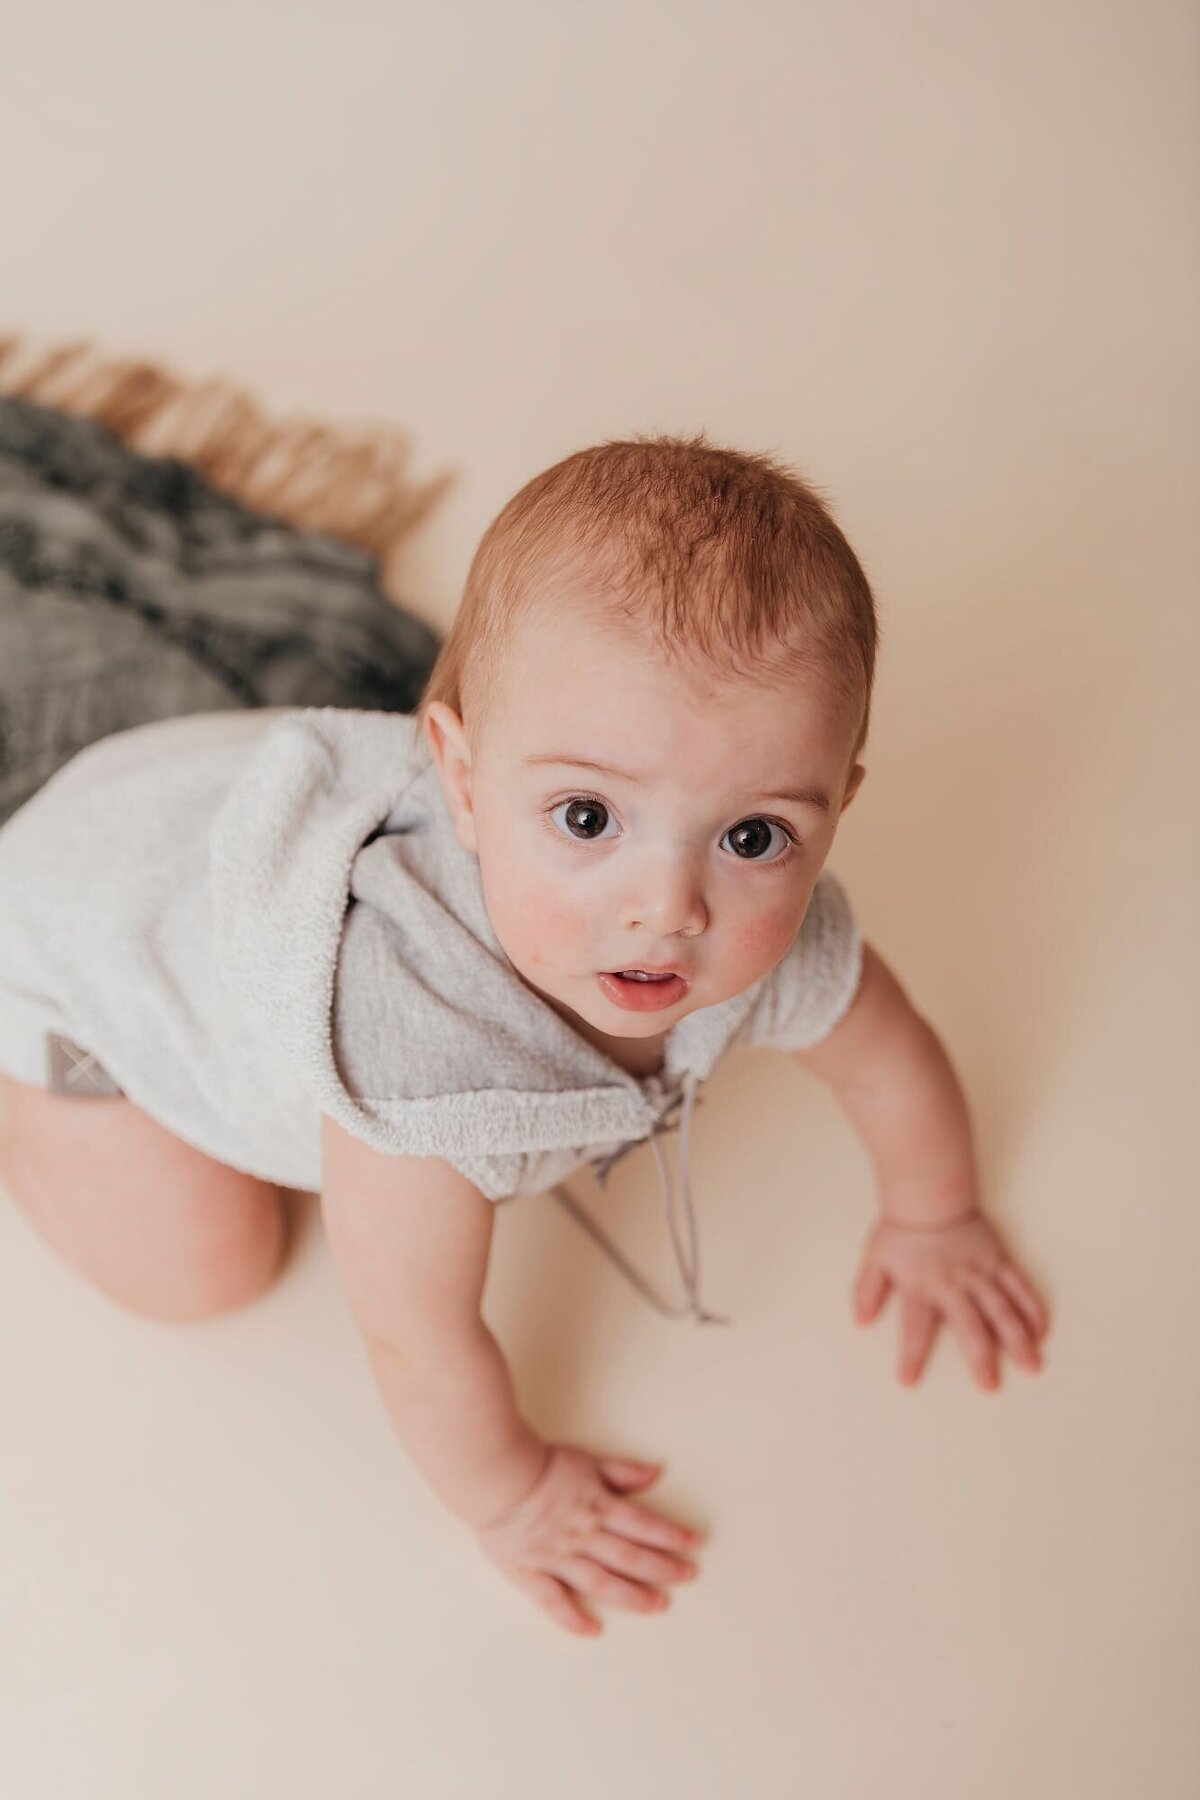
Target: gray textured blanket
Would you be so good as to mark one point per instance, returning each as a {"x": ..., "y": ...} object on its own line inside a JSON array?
[{"x": 131, "y": 590}]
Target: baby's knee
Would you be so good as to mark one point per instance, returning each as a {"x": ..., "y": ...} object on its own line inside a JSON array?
[
  {"x": 223, "y": 1272},
  {"x": 159, "y": 1226}
]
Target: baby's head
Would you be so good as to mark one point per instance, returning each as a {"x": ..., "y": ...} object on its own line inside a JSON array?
[{"x": 647, "y": 719}]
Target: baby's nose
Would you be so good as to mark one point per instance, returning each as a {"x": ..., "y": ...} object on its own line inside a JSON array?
[{"x": 668, "y": 900}]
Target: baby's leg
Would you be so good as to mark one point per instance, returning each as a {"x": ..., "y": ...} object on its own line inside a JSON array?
[{"x": 159, "y": 1226}]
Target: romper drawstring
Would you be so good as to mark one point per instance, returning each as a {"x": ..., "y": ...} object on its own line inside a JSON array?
[{"x": 689, "y": 1258}]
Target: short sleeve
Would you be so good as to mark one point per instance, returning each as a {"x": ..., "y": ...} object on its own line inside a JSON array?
[{"x": 811, "y": 987}]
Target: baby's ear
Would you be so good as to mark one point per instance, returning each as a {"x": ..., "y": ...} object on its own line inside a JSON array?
[
  {"x": 857, "y": 774},
  {"x": 452, "y": 753}
]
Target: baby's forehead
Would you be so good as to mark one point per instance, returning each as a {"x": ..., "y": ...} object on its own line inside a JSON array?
[
  {"x": 581, "y": 633},
  {"x": 572, "y": 654},
  {"x": 653, "y": 729}
]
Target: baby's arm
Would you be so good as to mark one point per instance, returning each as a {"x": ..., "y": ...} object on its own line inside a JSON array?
[
  {"x": 891, "y": 1075},
  {"x": 410, "y": 1237}
]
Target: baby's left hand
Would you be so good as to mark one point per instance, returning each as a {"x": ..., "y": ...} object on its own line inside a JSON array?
[{"x": 960, "y": 1274}]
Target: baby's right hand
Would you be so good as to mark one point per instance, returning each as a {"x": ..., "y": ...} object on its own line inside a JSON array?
[{"x": 573, "y": 1534}]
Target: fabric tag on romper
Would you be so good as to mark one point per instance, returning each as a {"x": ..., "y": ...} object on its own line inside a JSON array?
[{"x": 76, "y": 1072}]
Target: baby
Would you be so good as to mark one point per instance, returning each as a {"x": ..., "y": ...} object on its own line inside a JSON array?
[{"x": 422, "y": 964}]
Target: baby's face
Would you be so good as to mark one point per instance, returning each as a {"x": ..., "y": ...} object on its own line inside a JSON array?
[{"x": 631, "y": 814}]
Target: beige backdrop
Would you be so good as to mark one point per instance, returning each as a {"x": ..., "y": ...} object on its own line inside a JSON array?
[{"x": 944, "y": 258}]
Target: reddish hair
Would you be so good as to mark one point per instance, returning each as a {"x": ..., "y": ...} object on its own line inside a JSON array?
[{"x": 722, "y": 552}]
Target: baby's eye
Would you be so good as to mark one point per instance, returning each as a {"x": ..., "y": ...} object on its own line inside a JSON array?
[
  {"x": 751, "y": 838},
  {"x": 585, "y": 819}
]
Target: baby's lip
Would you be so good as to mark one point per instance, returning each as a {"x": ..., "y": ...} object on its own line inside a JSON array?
[{"x": 652, "y": 969}]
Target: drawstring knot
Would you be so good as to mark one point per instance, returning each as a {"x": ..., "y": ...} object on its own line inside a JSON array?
[
  {"x": 662, "y": 1123},
  {"x": 688, "y": 1258}
]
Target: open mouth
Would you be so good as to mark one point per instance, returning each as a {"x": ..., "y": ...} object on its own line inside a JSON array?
[{"x": 641, "y": 990}]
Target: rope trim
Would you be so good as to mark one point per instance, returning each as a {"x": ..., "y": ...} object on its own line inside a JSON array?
[{"x": 349, "y": 482}]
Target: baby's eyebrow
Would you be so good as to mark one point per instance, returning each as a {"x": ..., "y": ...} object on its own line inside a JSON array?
[{"x": 809, "y": 796}]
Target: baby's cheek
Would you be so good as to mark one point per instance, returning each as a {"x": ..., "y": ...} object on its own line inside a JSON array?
[
  {"x": 763, "y": 939},
  {"x": 552, "y": 928},
  {"x": 570, "y": 929}
]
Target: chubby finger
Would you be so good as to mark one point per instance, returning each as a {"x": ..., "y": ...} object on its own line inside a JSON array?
[
  {"x": 918, "y": 1328},
  {"x": 644, "y": 1564},
  {"x": 621, "y": 1473},
  {"x": 1007, "y": 1323},
  {"x": 642, "y": 1527},
  {"x": 1025, "y": 1295},
  {"x": 974, "y": 1338},
  {"x": 592, "y": 1578},
  {"x": 870, "y": 1292},
  {"x": 556, "y": 1599}
]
